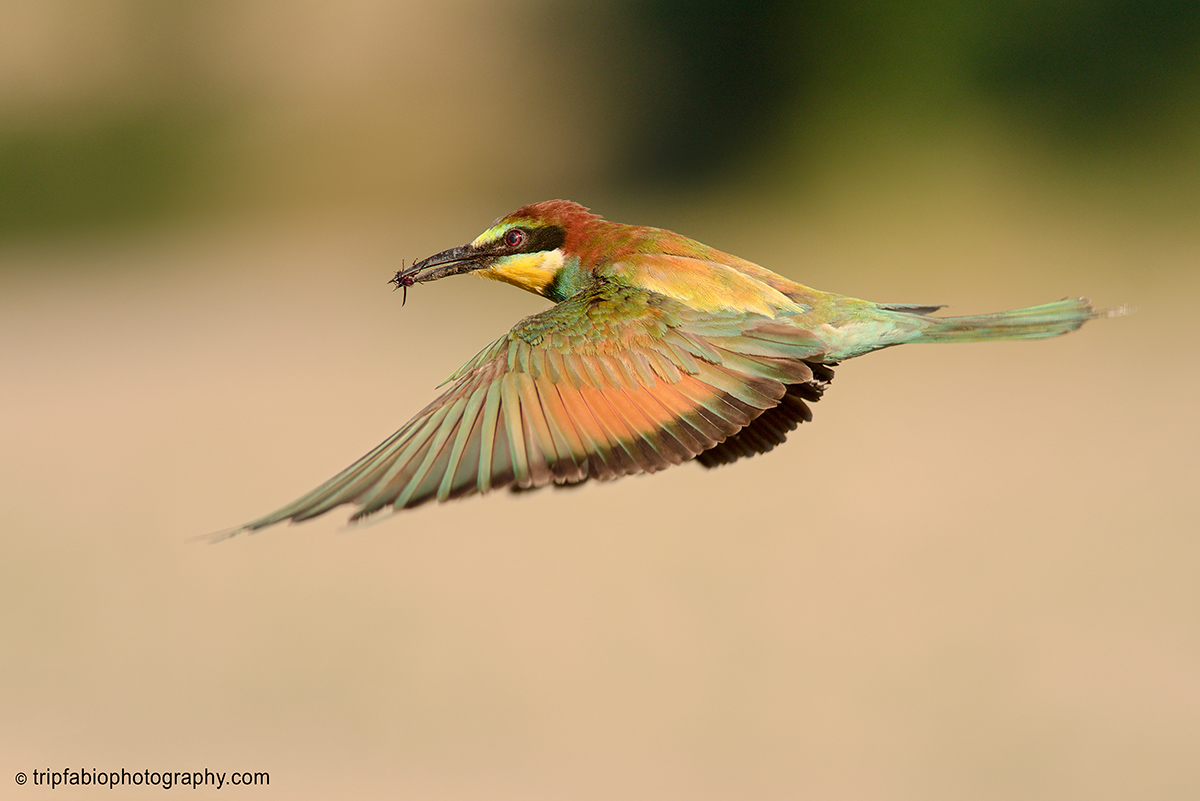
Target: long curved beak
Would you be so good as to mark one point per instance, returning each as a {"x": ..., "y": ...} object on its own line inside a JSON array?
[{"x": 462, "y": 259}]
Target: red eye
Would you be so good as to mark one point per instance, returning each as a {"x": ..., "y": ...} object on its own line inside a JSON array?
[{"x": 514, "y": 238}]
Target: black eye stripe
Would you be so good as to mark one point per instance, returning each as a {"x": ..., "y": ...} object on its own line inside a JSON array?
[
  {"x": 547, "y": 238},
  {"x": 536, "y": 240}
]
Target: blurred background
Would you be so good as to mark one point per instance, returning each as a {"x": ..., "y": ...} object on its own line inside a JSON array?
[{"x": 972, "y": 576}]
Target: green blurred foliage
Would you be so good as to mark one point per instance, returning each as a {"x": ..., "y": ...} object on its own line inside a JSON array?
[
  {"x": 1119, "y": 70},
  {"x": 722, "y": 80},
  {"x": 97, "y": 169},
  {"x": 642, "y": 94},
  {"x": 1103, "y": 72}
]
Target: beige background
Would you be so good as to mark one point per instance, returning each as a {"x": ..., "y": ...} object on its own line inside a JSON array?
[{"x": 972, "y": 576}]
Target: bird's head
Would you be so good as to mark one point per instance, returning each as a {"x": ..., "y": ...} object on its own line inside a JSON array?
[{"x": 528, "y": 248}]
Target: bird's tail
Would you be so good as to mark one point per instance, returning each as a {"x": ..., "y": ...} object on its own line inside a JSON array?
[{"x": 1034, "y": 322}]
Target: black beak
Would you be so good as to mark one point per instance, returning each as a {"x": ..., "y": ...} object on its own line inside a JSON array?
[{"x": 462, "y": 259}]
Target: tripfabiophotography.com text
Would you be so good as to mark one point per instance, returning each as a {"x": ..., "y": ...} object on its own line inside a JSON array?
[{"x": 164, "y": 779}]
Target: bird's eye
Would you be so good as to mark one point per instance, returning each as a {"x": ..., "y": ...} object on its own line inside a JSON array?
[{"x": 514, "y": 238}]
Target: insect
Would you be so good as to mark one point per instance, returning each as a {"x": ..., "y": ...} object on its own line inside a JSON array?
[{"x": 402, "y": 280}]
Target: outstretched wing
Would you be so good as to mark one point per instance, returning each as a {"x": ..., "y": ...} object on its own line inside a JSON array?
[{"x": 612, "y": 381}]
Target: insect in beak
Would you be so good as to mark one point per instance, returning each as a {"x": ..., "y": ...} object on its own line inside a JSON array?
[{"x": 402, "y": 280}]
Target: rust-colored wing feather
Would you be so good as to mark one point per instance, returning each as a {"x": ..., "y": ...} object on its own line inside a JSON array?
[{"x": 610, "y": 382}]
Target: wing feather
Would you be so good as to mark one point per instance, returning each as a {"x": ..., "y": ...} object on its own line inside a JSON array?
[
  {"x": 620, "y": 441},
  {"x": 406, "y": 463},
  {"x": 603, "y": 462},
  {"x": 487, "y": 444},
  {"x": 610, "y": 382},
  {"x": 467, "y": 432},
  {"x": 646, "y": 439},
  {"x": 539, "y": 442},
  {"x": 413, "y": 488},
  {"x": 566, "y": 439},
  {"x": 510, "y": 406}
]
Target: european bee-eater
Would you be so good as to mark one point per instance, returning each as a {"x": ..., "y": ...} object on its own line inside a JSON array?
[{"x": 658, "y": 350}]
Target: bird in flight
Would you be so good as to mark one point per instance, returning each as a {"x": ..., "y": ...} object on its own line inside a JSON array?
[{"x": 658, "y": 350}]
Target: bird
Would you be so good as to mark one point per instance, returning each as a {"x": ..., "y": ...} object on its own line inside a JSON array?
[{"x": 657, "y": 350}]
